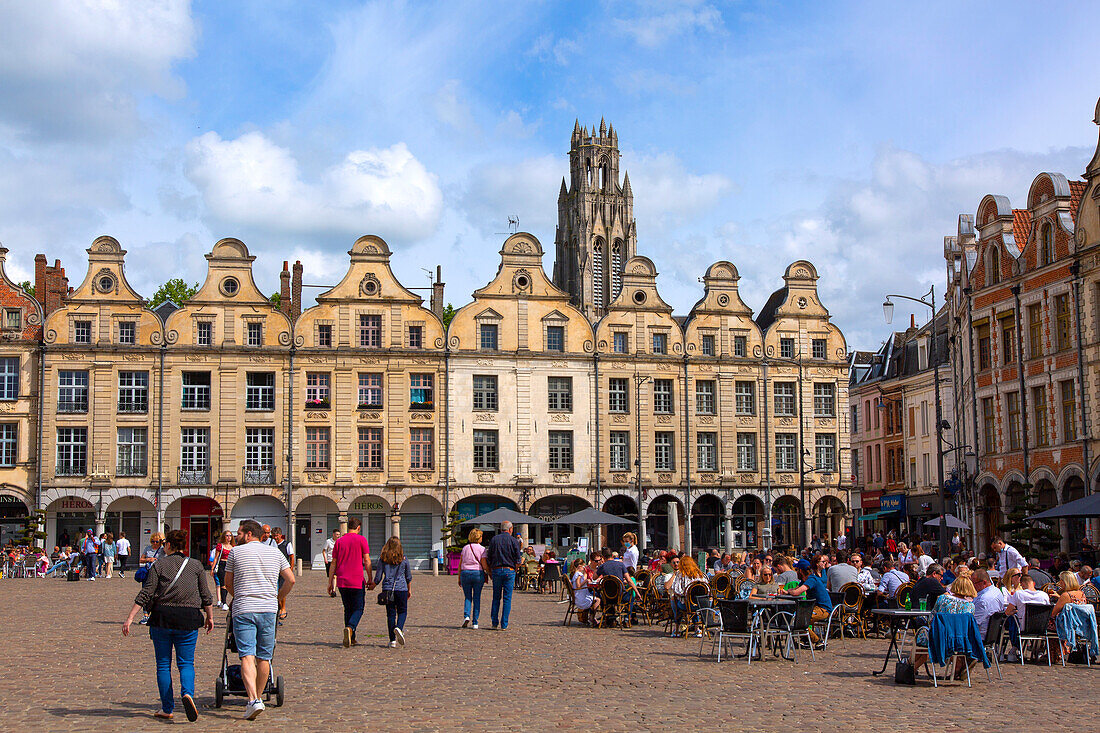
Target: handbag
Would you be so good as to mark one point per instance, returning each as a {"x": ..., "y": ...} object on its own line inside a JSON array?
[
  {"x": 385, "y": 597},
  {"x": 905, "y": 674},
  {"x": 141, "y": 574}
]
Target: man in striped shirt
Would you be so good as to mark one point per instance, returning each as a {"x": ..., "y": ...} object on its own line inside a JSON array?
[{"x": 252, "y": 575}]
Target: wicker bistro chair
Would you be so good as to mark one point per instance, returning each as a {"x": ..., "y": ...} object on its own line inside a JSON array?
[
  {"x": 643, "y": 578},
  {"x": 902, "y": 594},
  {"x": 852, "y": 615},
  {"x": 731, "y": 622},
  {"x": 698, "y": 596},
  {"x": 739, "y": 585},
  {"x": 721, "y": 585},
  {"x": 1092, "y": 594},
  {"x": 1036, "y": 621},
  {"x": 611, "y": 604}
]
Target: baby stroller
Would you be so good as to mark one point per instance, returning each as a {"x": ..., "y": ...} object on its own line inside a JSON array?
[{"x": 229, "y": 682}]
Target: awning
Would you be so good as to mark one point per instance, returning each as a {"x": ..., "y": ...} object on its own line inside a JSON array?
[{"x": 878, "y": 515}]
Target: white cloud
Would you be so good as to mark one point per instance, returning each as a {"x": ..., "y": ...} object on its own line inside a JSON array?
[
  {"x": 660, "y": 22},
  {"x": 666, "y": 193},
  {"x": 78, "y": 68},
  {"x": 253, "y": 183},
  {"x": 527, "y": 189}
]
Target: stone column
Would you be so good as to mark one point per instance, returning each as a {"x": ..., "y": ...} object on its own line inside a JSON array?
[
  {"x": 674, "y": 525},
  {"x": 525, "y": 538},
  {"x": 395, "y": 523},
  {"x": 729, "y": 533},
  {"x": 1063, "y": 529},
  {"x": 344, "y": 524}
]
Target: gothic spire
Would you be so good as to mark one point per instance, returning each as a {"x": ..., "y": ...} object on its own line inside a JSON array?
[{"x": 603, "y": 128}]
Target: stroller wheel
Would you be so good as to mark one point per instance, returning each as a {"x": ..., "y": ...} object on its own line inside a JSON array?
[
  {"x": 279, "y": 691},
  {"x": 219, "y": 692}
]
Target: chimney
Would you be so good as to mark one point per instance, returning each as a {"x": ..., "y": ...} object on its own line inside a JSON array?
[
  {"x": 437, "y": 292},
  {"x": 40, "y": 280},
  {"x": 284, "y": 288},
  {"x": 296, "y": 292},
  {"x": 912, "y": 320}
]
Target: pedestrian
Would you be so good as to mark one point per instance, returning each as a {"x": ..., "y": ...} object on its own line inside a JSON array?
[
  {"x": 326, "y": 551},
  {"x": 101, "y": 556},
  {"x": 109, "y": 548},
  {"x": 221, "y": 557},
  {"x": 473, "y": 571},
  {"x": 252, "y": 576},
  {"x": 394, "y": 575},
  {"x": 177, "y": 597},
  {"x": 349, "y": 572},
  {"x": 503, "y": 558},
  {"x": 122, "y": 549},
  {"x": 90, "y": 547},
  {"x": 287, "y": 548}
]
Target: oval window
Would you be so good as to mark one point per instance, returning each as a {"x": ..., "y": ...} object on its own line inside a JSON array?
[
  {"x": 370, "y": 287},
  {"x": 106, "y": 284},
  {"x": 230, "y": 286},
  {"x": 639, "y": 296},
  {"x": 522, "y": 281}
]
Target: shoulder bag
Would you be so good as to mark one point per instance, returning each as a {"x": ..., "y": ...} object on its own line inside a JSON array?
[{"x": 385, "y": 597}]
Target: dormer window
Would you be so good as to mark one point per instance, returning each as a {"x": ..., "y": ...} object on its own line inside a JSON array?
[
  {"x": 324, "y": 334},
  {"x": 13, "y": 319},
  {"x": 786, "y": 348},
  {"x": 487, "y": 336},
  {"x": 994, "y": 265},
  {"x": 1046, "y": 245},
  {"x": 660, "y": 343},
  {"x": 82, "y": 332},
  {"x": 204, "y": 333},
  {"x": 707, "y": 345},
  {"x": 255, "y": 335},
  {"x": 127, "y": 332}
]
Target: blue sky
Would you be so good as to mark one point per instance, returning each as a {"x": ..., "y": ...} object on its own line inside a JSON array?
[{"x": 851, "y": 134}]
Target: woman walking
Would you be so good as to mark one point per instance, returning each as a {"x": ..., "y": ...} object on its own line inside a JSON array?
[
  {"x": 109, "y": 550},
  {"x": 221, "y": 555},
  {"x": 473, "y": 572},
  {"x": 394, "y": 575},
  {"x": 176, "y": 595}
]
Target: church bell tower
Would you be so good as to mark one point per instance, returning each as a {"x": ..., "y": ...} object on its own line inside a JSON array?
[{"x": 596, "y": 229}]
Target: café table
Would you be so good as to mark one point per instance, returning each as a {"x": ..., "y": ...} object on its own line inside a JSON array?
[
  {"x": 897, "y": 618},
  {"x": 765, "y": 607}
]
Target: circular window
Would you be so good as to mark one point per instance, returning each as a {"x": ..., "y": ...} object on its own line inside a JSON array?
[
  {"x": 230, "y": 286},
  {"x": 639, "y": 296},
  {"x": 522, "y": 281},
  {"x": 723, "y": 300},
  {"x": 370, "y": 287},
  {"x": 106, "y": 284}
]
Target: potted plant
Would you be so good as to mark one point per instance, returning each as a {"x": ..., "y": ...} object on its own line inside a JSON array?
[
  {"x": 453, "y": 542},
  {"x": 321, "y": 404}
]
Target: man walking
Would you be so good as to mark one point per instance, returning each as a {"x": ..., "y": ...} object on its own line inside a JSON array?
[
  {"x": 252, "y": 576},
  {"x": 122, "y": 548},
  {"x": 90, "y": 547},
  {"x": 349, "y": 571},
  {"x": 503, "y": 555},
  {"x": 326, "y": 552}
]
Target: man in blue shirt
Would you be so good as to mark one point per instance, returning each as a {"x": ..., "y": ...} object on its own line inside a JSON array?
[
  {"x": 814, "y": 588},
  {"x": 503, "y": 557},
  {"x": 90, "y": 547}
]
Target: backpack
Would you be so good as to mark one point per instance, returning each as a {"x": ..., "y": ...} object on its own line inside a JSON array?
[{"x": 283, "y": 548}]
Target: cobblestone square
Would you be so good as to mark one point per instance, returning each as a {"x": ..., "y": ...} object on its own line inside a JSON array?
[{"x": 66, "y": 667}]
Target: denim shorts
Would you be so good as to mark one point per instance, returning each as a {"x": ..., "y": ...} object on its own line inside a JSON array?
[{"x": 255, "y": 634}]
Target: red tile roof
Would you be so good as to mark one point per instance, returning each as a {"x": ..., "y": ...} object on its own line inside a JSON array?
[
  {"x": 1021, "y": 227},
  {"x": 1076, "y": 191}
]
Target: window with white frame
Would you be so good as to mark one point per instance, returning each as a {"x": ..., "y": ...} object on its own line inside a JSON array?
[
  {"x": 617, "y": 395},
  {"x": 196, "y": 391},
  {"x": 204, "y": 333},
  {"x": 555, "y": 338},
  {"x": 745, "y": 398},
  {"x": 746, "y": 451},
  {"x": 662, "y": 396},
  {"x": 259, "y": 449},
  {"x": 13, "y": 319},
  {"x": 416, "y": 337},
  {"x": 619, "y": 341},
  {"x": 819, "y": 349},
  {"x": 786, "y": 348},
  {"x": 704, "y": 396},
  {"x": 324, "y": 334},
  {"x": 254, "y": 335},
  {"x": 72, "y": 452},
  {"x": 706, "y": 344},
  {"x": 619, "y": 454},
  {"x": 784, "y": 399},
  {"x": 127, "y": 332},
  {"x": 82, "y": 332},
  {"x": 9, "y": 378},
  {"x": 370, "y": 331},
  {"x": 72, "y": 391},
  {"x": 824, "y": 399},
  {"x": 786, "y": 458},
  {"x": 370, "y": 391},
  {"x": 133, "y": 392},
  {"x": 740, "y": 346},
  {"x": 660, "y": 343},
  {"x": 825, "y": 453},
  {"x": 194, "y": 449},
  {"x": 132, "y": 451},
  {"x": 259, "y": 391},
  {"x": 486, "y": 455},
  {"x": 707, "y": 451},
  {"x": 9, "y": 444},
  {"x": 487, "y": 336},
  {"x": 663, "y": 451}
]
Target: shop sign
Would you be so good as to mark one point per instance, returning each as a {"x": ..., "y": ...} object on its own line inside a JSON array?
[
  {"x": 368, "y": 506},
  {"x": 892, "y": 502},
  {"x": 75, "y": 505},
  {"x": 870, "y": 500},
  {"x": 5, "y": 499}
]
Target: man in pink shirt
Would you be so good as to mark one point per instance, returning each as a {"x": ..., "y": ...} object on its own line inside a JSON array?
[{"x": 350, "y": 572}]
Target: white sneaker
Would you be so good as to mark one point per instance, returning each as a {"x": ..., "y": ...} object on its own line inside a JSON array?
[
  {"x": 253, "y": 709},
  {"x": 225, "y": 606},
  {"x": 474, "y": 627},
  {"x": 393, "y": 645},
  {"x": 465, "y": 622},
  {"x": 400, "y": 636}
]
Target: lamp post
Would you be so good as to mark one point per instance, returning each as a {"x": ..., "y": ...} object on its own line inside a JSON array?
[{"x": 888, "y": 312}]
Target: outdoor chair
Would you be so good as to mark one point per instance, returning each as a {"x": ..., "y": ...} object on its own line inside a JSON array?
[
  {"x": 1036, "y": 621},
  {"x": 1086, "y": 615},
  {"x": 994, "y": 639},
  {"x": 1050, "y": 588},
  {"x": 571, "y": 595},
  {"x": 611, "y": 592},
  {"x": 902, "y": 594},
  {"x": 698, "y": 596},
  {"x": 740, "y": 586},
  {"x": 1092, "y": 595},
  {"x": 851, "y": 615},
  {"x": 788, "y": 628},
  {"x": 722, "y": 585},
  {"x": 731, "y": 622},
  {"x": 647, "y": 607},
  {"x": 643, "y": 578},
  {"x": 551, "y": 576},
  {"x": 952, "y": 650}
]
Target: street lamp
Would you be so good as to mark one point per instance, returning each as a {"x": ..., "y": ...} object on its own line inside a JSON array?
[{"x": 929, "y": 299}]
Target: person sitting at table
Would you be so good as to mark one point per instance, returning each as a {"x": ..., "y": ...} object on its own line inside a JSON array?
[
  {"x": 1016, "y": 611},
  {"x": 1069, "y": 591},
  {"x": 583, "y": 597},
  {"x": 666, "y": 572},
  {"x": 755, "y": 567},
  {"x": 727, "y": 564},
  {"x": 784, "y": 571},
  {"x": 948, "y": 571},
  {"x": 685, "y": 572},
  {"x": 1010, "y": 582},
  {"x": 892, "y": 579},
  {"x": 929, "y": 588},
  {"x": 864, "y": 577},
  {"x": 987, "y": 601},
  {"x": 611, "y": 565},
  {"x": 766, "y": 586},
  {"x": 1070, "y": 594},
  {"x": 595, "y": 559},
  {"x": 814, "y": 588},
  {"x": 958, "y": 599},
  {"x": 842, "y": 573}
]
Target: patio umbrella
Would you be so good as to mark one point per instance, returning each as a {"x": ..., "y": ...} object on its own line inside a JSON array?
[
  {"x": 592, "y": 516},
  {"x": 951, "y": 520},
  {"x": 504, "y": 515},
  {"x": 1088, "y": 506}
]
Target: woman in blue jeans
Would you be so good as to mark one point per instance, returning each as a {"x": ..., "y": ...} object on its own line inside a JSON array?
[
  {"x": 176, "y": 594},
  {"x": 393, "y": 578},
  {"x": 473, "y": 571}
]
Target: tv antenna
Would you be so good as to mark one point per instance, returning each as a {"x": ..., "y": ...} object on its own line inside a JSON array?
[{"x": 513, "y": 225}]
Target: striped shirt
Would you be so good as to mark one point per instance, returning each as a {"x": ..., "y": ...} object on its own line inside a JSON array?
[{"x": 256, "y": 568}]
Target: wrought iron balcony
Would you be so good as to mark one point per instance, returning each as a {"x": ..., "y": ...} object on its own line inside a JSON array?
[
  {"x": 133, "y": 406},
  {"x": 78, "y": 404},
  {"x": 194, "y": 476},
  {"x": 130, "y": 469},
  {"x": 258, "y": 476},
  {"x": 70, "y": 469}
]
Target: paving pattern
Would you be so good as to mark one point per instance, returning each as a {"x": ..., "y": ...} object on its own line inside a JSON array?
[{"x": 65, "y": 666}]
